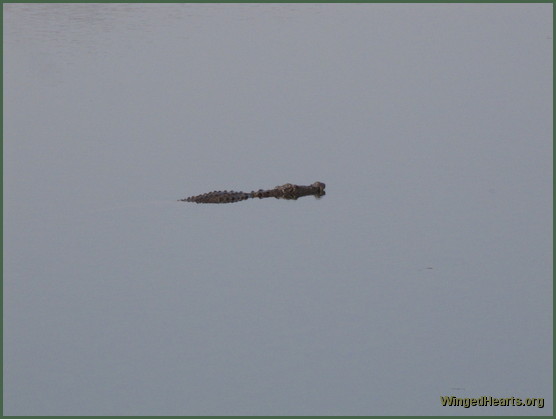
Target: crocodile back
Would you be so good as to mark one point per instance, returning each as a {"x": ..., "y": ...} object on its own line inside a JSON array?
[{"x": 218, "y": 197}]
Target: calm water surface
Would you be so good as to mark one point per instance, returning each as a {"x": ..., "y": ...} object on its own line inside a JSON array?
[{"x": 425, "y": 271}]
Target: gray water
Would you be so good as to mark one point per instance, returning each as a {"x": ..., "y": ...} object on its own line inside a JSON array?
[{"x": 425, "y": 271}]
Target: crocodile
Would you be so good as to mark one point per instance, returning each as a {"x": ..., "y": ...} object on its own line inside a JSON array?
[{"x": 287, "y": 191}]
